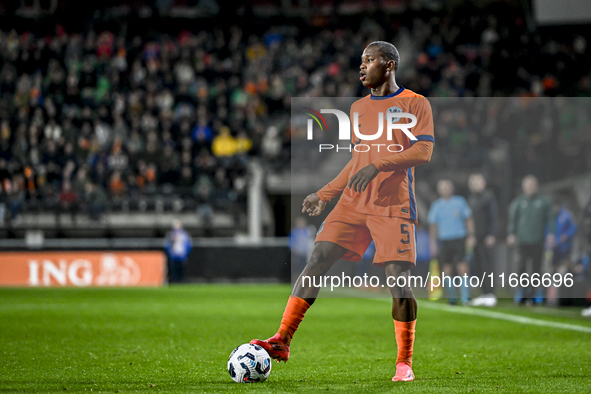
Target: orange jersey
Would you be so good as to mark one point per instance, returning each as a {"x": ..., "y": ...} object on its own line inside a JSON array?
[{"x": 391, "y": 192}]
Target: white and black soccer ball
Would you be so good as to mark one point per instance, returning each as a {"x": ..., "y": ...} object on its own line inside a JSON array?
[{"x": 249, "y": 364}]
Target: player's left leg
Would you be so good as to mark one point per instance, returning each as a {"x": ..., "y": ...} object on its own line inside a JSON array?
[
  {"x": 404, "y": 313},
  {"x": 324, "y": 255},
  {"x": 395, "y": 240}
]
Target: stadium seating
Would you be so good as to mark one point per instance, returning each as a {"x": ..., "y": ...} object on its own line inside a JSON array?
[{"x": 169, "y": 125}]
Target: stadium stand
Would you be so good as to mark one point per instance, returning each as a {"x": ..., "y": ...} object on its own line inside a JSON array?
[{"x": 103, "y": 128}]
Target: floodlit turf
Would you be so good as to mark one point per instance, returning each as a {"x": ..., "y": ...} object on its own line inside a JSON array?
[{"x": 178, "y": 339}]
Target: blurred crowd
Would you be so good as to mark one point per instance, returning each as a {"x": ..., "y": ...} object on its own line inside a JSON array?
[
  {"x": 92, "y": 121},
  {"x": 101, "y": 120}
]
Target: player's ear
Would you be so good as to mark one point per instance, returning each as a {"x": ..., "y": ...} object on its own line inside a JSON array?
[{"x": 391, "y": 65}]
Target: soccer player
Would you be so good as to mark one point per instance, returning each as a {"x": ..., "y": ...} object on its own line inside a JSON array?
[{"x": 377, "y": 203}]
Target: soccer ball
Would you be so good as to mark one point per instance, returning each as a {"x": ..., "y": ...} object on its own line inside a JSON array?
[{"x": 249, "y": 364}]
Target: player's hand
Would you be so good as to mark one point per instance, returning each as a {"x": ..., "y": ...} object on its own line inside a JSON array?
[
  {"x": 511, "y": 239},
  {"x": 490, "y": 241},
  {"x": 313, "y": 205},
  {"x": 361, "y": 179},
  {"x": 471, "y": 241}
]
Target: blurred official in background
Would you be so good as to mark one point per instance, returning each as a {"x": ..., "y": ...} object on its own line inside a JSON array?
[
  {"x": 451, "y": 231},
  {"x": 529, "y": 216},
  {"x": 484, "y": 211},
  {"x": 178, "y": 246}
]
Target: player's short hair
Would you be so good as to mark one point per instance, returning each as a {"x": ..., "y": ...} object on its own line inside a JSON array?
[{"x": 388, "y": 51}]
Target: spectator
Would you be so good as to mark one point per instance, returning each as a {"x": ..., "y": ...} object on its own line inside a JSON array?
[
  {"x": 244, "y": 143},
  {"x": 103, "y": 133},
  {"x": 271, "y": 145},
  {"x": 53, "y": 131},
  {"x": 224, "y": 144},
  {"x": 96, "y": 201},
  {"x": 202, "y": 133},
  {"x": 203, "y": 190},
  {"x": 117, "y": 160},
  {"x": 451, "y": 231},
  {"x": 529, "y": 216},
  {"x": 116, "y": 185},
  {"x": 484, "y": 210},
  {"x": 67, "y": 201},
  {"x": 15, "y": 196},
  {"x": 80, "y": 182},
  {"x": 186, "y": 180},
  {"x": 178, "y": 246}
]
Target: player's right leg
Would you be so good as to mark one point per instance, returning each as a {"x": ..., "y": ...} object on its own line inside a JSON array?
[{"x": 324, "y": 255}]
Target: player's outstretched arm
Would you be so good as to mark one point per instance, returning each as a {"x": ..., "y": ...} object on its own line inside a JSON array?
[
  {"x": 313, "y": 205},
  {"x": 337, "y": 185}
]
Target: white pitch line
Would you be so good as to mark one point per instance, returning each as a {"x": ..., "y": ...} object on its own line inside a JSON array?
[{"x": 505, "y": 316}]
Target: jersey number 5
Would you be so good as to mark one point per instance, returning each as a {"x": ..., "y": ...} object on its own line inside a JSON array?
[{"x": 404, "y": 231}]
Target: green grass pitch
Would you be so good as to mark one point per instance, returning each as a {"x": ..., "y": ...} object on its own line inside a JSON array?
[{"x": 178, "y": 339}]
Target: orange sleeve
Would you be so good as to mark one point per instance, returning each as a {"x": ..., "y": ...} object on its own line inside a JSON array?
[
  {"x": 419, "y": 153},
  {"x": 337, "y": 185},
  {"x": 421, "y": 150},
  {"x": 424, "y": 128}
]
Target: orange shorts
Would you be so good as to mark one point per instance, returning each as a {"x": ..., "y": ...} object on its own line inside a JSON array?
[{"x": 394, "y": 237}]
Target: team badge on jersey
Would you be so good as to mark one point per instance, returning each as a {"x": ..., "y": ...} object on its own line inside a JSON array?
[
  {"x": 320, "y": 229},
  {"x": 393, "y": 110}
]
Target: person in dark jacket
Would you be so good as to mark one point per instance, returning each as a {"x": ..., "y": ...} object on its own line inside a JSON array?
[
  {"x": 484, "y": 211},
  {"x": 96, "y": 201},
  {"x": 529, "y": 216}
]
